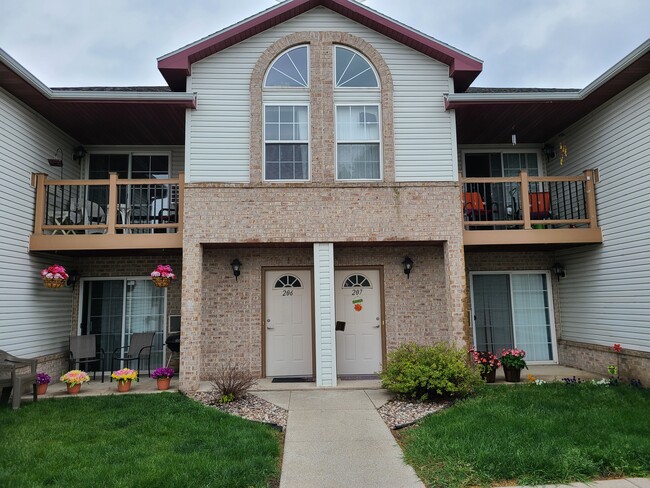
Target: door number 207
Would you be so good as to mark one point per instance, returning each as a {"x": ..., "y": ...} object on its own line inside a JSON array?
[{"x": 357, "y": 292}]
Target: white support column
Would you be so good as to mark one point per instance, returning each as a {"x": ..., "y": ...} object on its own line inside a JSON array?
[{"x": 325, "y": 314}]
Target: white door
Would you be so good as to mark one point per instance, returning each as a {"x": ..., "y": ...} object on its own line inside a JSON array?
[
  {"x": 358, "y": 306},
  {"x": 288, "y": 322}
]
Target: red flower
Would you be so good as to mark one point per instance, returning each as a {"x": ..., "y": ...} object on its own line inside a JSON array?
[{"x": 617, "y": 348}]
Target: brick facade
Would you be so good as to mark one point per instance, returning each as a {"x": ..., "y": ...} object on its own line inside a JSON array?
[{"x": 416, "y": 309}]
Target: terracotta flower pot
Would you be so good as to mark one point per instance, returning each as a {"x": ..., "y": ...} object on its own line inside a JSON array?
[
  {"x": 489, "y": 376},
  {"x": 41, "y": 389},
  {"x": 124, "y": 386},
  {"x": 513, "y": 375},
  {"x": 73, "y": 389},
  {"x": 163, "y": 383}
]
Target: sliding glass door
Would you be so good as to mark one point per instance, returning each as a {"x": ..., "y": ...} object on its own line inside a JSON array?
[
  {"x": 114, "y": 309},
  {"x": 514, "y": 310}
]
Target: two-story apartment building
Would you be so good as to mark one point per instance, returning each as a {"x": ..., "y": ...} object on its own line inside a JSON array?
[{"x": 330, "y": 186}]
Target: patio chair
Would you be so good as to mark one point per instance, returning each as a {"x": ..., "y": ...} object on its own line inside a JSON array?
[
  {"x": 540, "y": 205},
  {"x": 138, "y": 350},
  {"x": 16, "y": 380},
  {"x": 475, "y": 208},
  {"x": 84, "y": 352}
]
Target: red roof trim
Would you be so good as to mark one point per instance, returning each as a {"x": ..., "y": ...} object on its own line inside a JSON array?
[{"x": 176, "y": 67}]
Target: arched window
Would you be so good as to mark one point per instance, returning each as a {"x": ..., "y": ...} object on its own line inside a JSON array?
[
  {"x": 286, "y": 116},
  {"x": 358, "y": 124},
  {"x": 357, "y": 281},
  {"x": 353, "y": 70},
  {"x": 287, "y": 281},
  {"x": 290, "y": 69}
]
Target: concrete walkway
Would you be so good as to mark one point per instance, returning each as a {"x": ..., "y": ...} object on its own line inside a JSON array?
[{"x": 336, "y": 438}]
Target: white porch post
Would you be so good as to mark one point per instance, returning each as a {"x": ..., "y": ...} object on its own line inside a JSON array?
[{"x": 325, "y": 314}]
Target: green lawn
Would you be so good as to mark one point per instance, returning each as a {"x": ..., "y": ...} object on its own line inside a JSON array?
[
  {"x": 133, "y": 440},
  {"x": 528, "y": 434}
]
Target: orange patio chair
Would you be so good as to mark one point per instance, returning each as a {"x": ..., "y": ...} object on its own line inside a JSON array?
[
  {"x": 475, "y": 208},
  {"x": 540, "y": 205}
]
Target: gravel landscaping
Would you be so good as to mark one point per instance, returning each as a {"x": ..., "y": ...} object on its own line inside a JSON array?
[{"x": 396, "y": 414}]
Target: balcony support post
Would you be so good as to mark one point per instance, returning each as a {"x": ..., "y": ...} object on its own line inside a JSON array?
[
  {"x": 591, "y": 198},
  {"x": 180, "y": 204},
  {"x": 39, "y": 210},
  {"x": 525, "y": 199},
  {"x": 111, "y": 211}
]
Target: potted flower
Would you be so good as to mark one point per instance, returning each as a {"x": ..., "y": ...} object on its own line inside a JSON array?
[
  {"x": 487, "y": 364},
  {"x": 513, "y": 362},
  {"x": 163, "y": 275},
  {"x": 42, "y": 380},
  {"x": 54, "y": 276},
  {"x": 124, "y": 378},
  {"x": 163, "y": 377},
  {"x": 74, "y": 379}
]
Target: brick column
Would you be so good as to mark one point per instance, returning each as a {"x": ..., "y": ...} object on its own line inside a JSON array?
[
  {"x": 456, "y": 291},
  {"x": 190, "y": 357}
]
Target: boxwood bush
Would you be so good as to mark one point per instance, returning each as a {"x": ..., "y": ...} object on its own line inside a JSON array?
[{"x": 426, "y": 372}]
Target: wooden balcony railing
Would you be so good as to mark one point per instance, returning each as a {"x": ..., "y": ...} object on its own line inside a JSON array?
[
  {"x": 530, "y": 210},
  {"x": 107, "y": 214}
]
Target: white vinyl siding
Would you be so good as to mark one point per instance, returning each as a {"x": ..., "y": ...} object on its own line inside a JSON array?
[
  {"x": 324, "y": 313},
  {"x": 605, "y": 295},
  {"x": 35, "y": 320},
  {"x": 219, "y": 130}
]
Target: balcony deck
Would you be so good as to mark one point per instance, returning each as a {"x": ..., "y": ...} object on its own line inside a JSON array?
[
  {"x": 113, "y": 214},
  {"x": 560, "y": 211}
]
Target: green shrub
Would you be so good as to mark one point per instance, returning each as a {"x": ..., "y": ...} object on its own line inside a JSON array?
[{"x": 424, "y": 372}]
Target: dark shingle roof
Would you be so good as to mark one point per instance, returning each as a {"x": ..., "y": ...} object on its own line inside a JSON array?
[
  {"x": 476, "y": 89},
  {"x": 153, "y": 89}
]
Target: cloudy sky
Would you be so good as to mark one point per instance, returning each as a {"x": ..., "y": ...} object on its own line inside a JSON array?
[{"x": 523, "y": 43}]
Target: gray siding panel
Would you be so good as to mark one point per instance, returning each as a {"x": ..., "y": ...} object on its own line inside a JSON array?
[
  {"x": 35, "y": 320},
  {"x": 219, "y": 133},
  {"x": 605, "y": 297}
]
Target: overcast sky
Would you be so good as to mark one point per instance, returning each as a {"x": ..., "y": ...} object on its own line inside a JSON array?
[{"x": 523, "y": 43}]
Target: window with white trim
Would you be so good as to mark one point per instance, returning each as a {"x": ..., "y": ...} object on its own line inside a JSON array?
[
  {"x": 290, "y": 69},
  {"x": 357, "y": 142},
  {"x": 286, "y": 141},
  {"x": 358, "y": 133}
]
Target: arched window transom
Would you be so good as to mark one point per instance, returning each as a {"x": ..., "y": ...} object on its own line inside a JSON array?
[
  {"x": 288, "y": 281},
  {"x": 290, "y": 69},
  {"x": 357, "y": 281},
  {"x": 353, "y": 71}
]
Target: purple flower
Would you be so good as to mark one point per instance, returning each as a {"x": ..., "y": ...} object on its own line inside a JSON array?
[
  {"x": 43, "y": 379},
  {"x": 162, "y": 373}
]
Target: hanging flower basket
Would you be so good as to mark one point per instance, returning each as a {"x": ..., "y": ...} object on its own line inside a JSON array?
[
  {"x": 54, "y": 276},
  {"x": 161, "y": 282},
  {"x": 163, "y": 275}
]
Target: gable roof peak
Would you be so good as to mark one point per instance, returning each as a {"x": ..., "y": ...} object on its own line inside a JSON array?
[{"x": 176, "y": 66}]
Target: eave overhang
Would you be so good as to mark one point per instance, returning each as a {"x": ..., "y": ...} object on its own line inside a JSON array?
[
  {"x": 101, "y": 116},
  {"x": 536, "y": 116}
]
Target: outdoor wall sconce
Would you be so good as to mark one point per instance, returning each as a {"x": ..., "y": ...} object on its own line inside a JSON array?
[
  {"x": 559, "y": 271},
  {"x": 57, "y": 162},
  {"x": 236, "y": 267},
  {"x": 549, "y": 151},
  {"x": 73, "y": 277},
  {"x": 78, "y": 153},
  {"x": 408, "y": 266}
]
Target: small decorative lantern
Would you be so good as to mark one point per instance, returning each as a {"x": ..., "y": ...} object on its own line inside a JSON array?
[
  {"x": 54, "y": 276},
  {"x": 163, "y": 275}
]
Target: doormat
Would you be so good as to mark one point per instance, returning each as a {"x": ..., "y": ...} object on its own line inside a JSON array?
[
  {"x": 293, "y": 379},
  {"x": 353, "y": 377}
]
